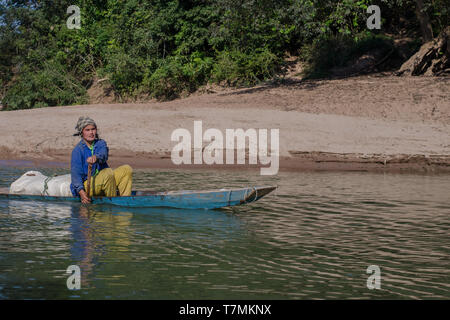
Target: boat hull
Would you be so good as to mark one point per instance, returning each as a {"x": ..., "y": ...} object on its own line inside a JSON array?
[{"x": 208, "y": 199}]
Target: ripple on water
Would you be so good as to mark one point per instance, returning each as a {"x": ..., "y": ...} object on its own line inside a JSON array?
[{"x": 311, "y": 239}]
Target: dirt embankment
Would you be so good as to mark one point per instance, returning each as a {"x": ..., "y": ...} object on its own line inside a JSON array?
[{"x": 378, "y": 122}]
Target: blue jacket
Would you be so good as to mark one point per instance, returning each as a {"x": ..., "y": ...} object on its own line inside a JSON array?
[{"x": 79, "y": 165}]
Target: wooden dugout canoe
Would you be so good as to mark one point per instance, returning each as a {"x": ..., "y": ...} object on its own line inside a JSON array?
[{"x": 184, "y": 199}]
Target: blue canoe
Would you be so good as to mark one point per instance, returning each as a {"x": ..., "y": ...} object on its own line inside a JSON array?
[{"x": 185, "y": 199}]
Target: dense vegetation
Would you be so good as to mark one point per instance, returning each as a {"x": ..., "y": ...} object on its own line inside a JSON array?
[{"x": 163, "y": 48}]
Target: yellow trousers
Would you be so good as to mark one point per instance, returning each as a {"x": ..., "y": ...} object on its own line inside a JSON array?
[{"x": 108, "y": 181}]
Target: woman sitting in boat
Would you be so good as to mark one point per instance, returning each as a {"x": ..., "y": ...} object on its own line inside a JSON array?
[{"x": 93, "y": 150}]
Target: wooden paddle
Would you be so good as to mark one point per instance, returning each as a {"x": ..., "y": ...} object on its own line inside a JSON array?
[{"x": 89, "y": 180}]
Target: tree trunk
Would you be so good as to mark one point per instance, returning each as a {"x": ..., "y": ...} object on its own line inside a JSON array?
[{"x": 424, "y": 20}]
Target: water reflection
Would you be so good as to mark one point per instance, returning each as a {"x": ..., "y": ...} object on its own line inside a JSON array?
[
  {"x": 102, "y": 234},
  {"x": 33, "y": 224},
  {"x": 312, "y": 238},
  {"x": 97, "y": 235}
]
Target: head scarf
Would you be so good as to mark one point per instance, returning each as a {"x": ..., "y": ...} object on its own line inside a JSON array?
[{"x": 82, "y": 123}]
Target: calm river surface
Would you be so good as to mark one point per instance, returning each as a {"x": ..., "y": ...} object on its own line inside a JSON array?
[{"x": 314, "y": 238}]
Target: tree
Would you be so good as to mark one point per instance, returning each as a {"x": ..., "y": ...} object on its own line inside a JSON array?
[{"x": 424, "y": 20}]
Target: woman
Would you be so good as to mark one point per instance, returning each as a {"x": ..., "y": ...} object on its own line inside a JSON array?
[{"x": 93, "y": 150}]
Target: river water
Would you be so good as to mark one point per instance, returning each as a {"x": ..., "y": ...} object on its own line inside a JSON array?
[{"x": 313, "y": 238}]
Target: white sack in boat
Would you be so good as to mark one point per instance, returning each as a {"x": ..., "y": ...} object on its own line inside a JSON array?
[{"x": 34, "y": 182}]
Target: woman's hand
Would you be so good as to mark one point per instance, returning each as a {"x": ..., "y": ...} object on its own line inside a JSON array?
[
  {"x": 92, "y": 159},
  {"x": 84, "y": 198}
]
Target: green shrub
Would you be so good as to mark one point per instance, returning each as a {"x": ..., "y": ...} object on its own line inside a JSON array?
[
  {"x": 197, "y": 70},
  {"x": 176, "y": 75},
  {"x": 239, "y": 68},
  {"x": 167, "y": 81},
  {"x": 125, "y": 73},
  {"x": 50, "y": 86}
]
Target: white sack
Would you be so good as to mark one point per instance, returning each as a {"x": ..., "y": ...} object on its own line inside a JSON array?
[{"x": 33, "y": 182}]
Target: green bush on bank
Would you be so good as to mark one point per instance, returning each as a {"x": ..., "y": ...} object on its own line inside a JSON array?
[
  {"x": 176, "y": 75},
  {"x": 167, "y": 81},
  {"x": 164, "y": 49},
  {"x": 239, "y": 68},
  {"x": 125, "y": 73},
  {"x": 50, "y": 86}
]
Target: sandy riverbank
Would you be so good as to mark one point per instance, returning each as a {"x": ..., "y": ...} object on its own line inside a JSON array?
[{"x": 370, "y": 123}]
